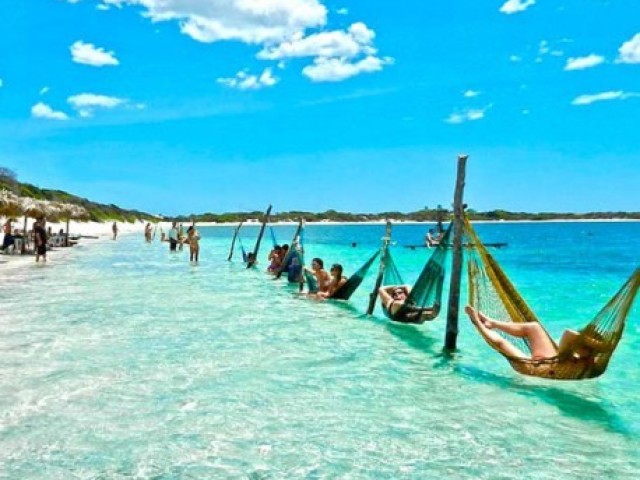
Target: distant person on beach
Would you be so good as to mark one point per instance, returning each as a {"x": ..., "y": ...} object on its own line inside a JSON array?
[
  {"x": 40, "y": 239},
  {"x": 9, "y": 239},
  {"x": 193, "y": 238},
  {"x": 114, "y": 229},
  {"x": 337, "y": 281},
  {"x": 180, "y": 237},
  {"x": 433, "y": 238},
  {"x": 539, "y": 342},
  {"x": 147, "y": 232},
  {"x": 173, "y": 237}
]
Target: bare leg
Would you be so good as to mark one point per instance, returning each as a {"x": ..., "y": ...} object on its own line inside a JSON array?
[
  {"x": 540, "y": 343},
  {"x": 501, "y": 344}
]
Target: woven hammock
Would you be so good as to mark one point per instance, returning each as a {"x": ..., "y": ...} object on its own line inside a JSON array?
[
  {"x": 425, "y": 299},
  {"x": 586, "y": 356},
  {"x": 354, "y": 281},
  {"x": 349, "y": 287},
  {"x": 292, "y": 262}
]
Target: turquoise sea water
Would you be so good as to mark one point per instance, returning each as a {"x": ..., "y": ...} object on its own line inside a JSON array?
[{"x": 121, "y": 360}]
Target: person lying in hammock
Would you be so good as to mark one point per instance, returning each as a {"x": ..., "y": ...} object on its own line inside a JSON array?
[
  {"x": 539, "y": 342},
  {"x": 394, "y": 297},
  {"x": 337, "y": 281}
]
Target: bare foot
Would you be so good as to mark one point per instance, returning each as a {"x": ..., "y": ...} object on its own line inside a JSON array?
[{"x": 478, "y": 318}]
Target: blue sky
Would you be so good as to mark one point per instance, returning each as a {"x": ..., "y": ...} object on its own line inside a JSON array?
[{"x": 193, "y": 106}]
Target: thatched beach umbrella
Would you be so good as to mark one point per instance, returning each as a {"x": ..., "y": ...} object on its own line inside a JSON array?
[
  {"x": 70, "y": 211},
  {"x": 32, "y": 208}
]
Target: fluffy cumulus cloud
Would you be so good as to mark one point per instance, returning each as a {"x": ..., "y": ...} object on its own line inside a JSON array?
[
  {"x": 245, "y": 81},
  {"x": 250, "y": 21},
  {"x": 466, "y": 116},
  {"x": 89, "y": 54},
  {"x": 283, "y": 29},
  {"x": 336, "y": 69},
  {"x": 601, "y": 97},
  {"x": 515, "y": 6},
  {"x": 580, "y": 63},
  {"x": 471, "y": 93},
  {"x": 629, "y": 52},
  {"x": 87, "y": 103},
  {"x": 42, "y": 110},
  {"x": 337, "y": 54}
]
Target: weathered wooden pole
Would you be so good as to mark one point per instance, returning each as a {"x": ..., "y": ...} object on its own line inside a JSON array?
[{"x": 456, "y": 267}]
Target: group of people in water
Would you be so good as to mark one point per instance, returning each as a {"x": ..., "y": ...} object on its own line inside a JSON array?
[
  {"x": 177, "y": 237},
  {"x": 327, "y": 283}
]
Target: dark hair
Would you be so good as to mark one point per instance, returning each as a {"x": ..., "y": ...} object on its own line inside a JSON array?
[
  {"x": 338, "y": 268},
  {"x": 318, "y": 261}
]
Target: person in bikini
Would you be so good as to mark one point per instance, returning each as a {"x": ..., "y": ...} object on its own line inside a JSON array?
[
  {"x": 323, "y": 278},
  {"x": 337, "y": 281},
  {"x": 394, "y": 297},
  {"x": 541, "y": 346},
  {"x": 193, "y": 239}
]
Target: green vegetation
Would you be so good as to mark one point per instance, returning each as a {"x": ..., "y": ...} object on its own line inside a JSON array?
[{"x": 99, "y": 212}]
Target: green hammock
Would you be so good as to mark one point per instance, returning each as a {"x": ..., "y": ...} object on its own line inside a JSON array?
[
  {"x": 586, "y": 356},
  {"x": 354, "y": 281},
  {"x": 425, "y": 298},
  {"x": 292, "y": 260}
]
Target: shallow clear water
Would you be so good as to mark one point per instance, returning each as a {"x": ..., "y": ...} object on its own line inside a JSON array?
[{"x": 121, "y": 360}]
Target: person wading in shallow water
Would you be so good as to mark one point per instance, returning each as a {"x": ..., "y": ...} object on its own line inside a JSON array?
[
  {"x": 114, "y": 229},
  {"x": 40, "y": 238}
]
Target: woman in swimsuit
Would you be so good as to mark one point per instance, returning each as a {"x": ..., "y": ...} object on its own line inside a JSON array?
[
  {"x": 322, "y": 276},
  {"x": 337, "y": 281},
  {"x": 193, "y": 239}
]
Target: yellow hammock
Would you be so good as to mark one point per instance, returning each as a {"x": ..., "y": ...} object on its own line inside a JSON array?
[{"x": 587, "y": 356}]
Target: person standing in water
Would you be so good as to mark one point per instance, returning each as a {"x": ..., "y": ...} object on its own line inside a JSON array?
[
  {"x": 114, "y": 229},
  {"x": 40, "y": 238},
  {"x": 193, "y": 238}
]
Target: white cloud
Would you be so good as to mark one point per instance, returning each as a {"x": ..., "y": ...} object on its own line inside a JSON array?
[
  {"x": 342, "y": 11},
  {"x": 250, "y": 21},
  {"x": 283, "y": 29},
  {"x": 471, "y": 93},
  {"x": 87, "y": 103},
  {"x": 630, "y": 51},
  {"x": 580, "y": 63},
  {"x": 335, "y": 43},
  {"x": 466, "y": 116},
  {"x": 336, "y": 69},
  {"x": 42, "y": 110},
  {"x": 102, "y": 6},
  {"x": 515, "y": 6},
  {"x": 600, "y": 97},
  {"x": 1, "y": 83},
  {"x": 89, "y": 54},
  {"x": 515, "y": 58},
  {"x": 245, "y": 81},
  {"x": 43, "y": 90}
]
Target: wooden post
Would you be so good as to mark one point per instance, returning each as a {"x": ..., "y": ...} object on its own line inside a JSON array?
[
  {"x": 373, "y": 296},
  {"x": 456, "y": 267}
]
